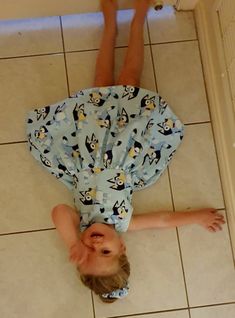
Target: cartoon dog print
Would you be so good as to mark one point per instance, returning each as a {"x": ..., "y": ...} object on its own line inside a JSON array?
[
  {"x": 42, "y": 112},
  {"x": 31, "y": 144},
  {"x": 123, "y": 118},
  {"x": 120, "y": 210},
  {"x": 44, "y": 137},
  {"x": 108, "y": 157},
  {"x": 96, "y": 98},
  {"x": 92, "y": 144},
  {"x": 162, "y": 105},
  {"x": 148, "y": 103},
  {"x": 130, "y": 91},
  {"x": 140, "y": 183},
  {"x": 59, "y": 116},
  {"x": 149, "y": 125},
  {"x": 88, "y": 197},
  {"x": 118, "y": 182},
  {"x": 170, "y": 127},
  {"x": 154, "y": 152},
  {"x": 46, "y": 162},
  {"x": 71, "y": 151},
  {"x": 79, "y": 113},
  {"x": 104, "y": 120},
  {"x": 135, "y": 150}
]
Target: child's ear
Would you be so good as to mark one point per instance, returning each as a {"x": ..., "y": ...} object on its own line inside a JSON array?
[{"x": 123, "y": 246}]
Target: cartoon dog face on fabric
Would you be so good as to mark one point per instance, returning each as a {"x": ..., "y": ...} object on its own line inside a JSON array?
[
  {"x": 88, "y": 197},
  {"x": 92, "y": 143},
  {"x": 120, "y": 210},
  {"x": 42, "y": 133},
  {"x": 108, "y": 157},
  {"x": 71, "y": 150},
  {"x": 148, "y": 103},
  {"x": 45, "y": 161},
  {"x": 123, "y": 118},
  {"x": 135, "y": 149},
  {"x": 96, "y": 99},
  {"x": 79, "y": 113},
  {"x": 162, "y": 105},
  {"x": 104, "y": 121},
  {"x": 167, "y": 127},
  {"x": 59, "y": 113},
  {"x": 118, "y": 182},
  {"x": 42, "y": 112},
  {"x": 130, "y": 91},
  {"x": 152, "y": 155}
]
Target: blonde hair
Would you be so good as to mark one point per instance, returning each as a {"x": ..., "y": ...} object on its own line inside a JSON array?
[{"x": 106, "y": 284}]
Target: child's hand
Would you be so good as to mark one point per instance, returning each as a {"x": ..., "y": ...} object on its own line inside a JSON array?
[
  {"x": 210, "y": 219},
  {"x": 77, "y": 253}
]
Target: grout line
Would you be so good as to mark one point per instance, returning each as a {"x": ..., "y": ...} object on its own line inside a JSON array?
[
  {"x": 213, "y": 305},
  {"x": 198, "y": 123},
  {"x": 93, "y": 304},
  {"x": 30, "y": 55},
  {"x": 173, "y": 310},
  {"x": 148, "y": 313},
  {"x": 216, "y": 152},
  {"x": 178, "y": 239},
  {"x": 177, "y": 41},
  {"x": 182, "y": 265},
  {"x": 85, "y": 50},
  {"x": 171, "y": 190},
  {"x": 28, "y": 231},
  {"x": 189, "y": 313},
  {"x": 65, "y": 61},
  {"x": 12, "y": 142}
]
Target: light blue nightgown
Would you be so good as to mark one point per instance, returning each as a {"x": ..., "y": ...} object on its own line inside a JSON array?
[{"x": 104, "y": 143}]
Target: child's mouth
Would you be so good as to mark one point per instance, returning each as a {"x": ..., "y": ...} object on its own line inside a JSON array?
[{"x": 96, "y": 234}]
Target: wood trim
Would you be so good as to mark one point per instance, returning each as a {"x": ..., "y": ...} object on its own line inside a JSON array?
[{"x": 220, "y": 105}]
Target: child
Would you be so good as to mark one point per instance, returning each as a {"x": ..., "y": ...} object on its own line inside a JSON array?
[{"x": 104, "y": 143}]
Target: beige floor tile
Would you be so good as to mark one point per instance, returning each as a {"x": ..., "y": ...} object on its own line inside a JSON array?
[
  {"x": 194, "y": 171},
  {"x": 222, "y": 311},
  {"x": 154, "y": 198},
  {"x": 156, "y": 281},
  {"x": 28, "y": 191},
  {"x": 37, "y": 279},
  {"x": 180, "y": 79},
  {"x": 169, "y": 25},
  {"x": 28, "y": 83},
  {"x": 84, "y": 31},
  {"x": 172, "y": 314},
  {"x": 81, "y": 69},
  {"x": 208, "y": 266},
  {"x": 30, "y": 36}
]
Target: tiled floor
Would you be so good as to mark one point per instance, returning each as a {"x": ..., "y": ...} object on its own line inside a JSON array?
[{"x": 175, "y": 273}]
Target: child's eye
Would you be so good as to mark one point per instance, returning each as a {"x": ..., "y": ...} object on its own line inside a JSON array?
[{"x": 105, "y": 252}]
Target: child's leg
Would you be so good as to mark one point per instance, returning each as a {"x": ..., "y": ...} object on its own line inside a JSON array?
[
  {"x": 105, "y": 59},
  {"x": 134, "y": 60}
]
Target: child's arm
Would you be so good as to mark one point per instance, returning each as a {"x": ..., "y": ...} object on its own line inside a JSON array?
[
  {"x": 208, "y": 218},
  {"x": 66, "y": 221}
]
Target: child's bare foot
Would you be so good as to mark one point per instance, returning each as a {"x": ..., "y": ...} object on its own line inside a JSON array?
[
  {"x": 210, "y": 219},
  {"x": 109, "y": 9}
]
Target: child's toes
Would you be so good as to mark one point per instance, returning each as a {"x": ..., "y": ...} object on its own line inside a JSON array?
[
  {"x": 217, "y": 226},
  {"x": 210, "y": 229}
]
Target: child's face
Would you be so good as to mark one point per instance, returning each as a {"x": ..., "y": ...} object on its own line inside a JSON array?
[{"x": 101, "y": 246}]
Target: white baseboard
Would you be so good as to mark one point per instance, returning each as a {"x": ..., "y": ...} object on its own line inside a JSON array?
[{"x": 221, "y": 108}]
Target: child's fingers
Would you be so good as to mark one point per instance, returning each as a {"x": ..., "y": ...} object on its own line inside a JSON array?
[
  {"x": 217, "y": 227},
  {"x": 211, "y": 229}
]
